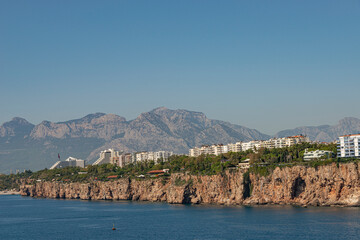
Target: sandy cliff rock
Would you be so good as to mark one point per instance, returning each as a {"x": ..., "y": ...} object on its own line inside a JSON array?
[{"x": 299, "y": 185}]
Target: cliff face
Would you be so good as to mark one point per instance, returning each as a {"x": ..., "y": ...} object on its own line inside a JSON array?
[
  {"x": 324, "y": 186},
  {"x": 179, "y": 188}
]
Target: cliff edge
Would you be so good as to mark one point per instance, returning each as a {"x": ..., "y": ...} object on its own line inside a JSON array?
[{"x": 330, "y": 185}]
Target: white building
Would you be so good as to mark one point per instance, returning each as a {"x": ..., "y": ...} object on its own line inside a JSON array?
[
  {"x": 121, "y": 159},
  {"x": 206, "y": 149},
  {"x": 108, "y": 156},
  {"x": 125, "y": 159},
  {"x": 164, "y": 155},
  {"x": 349, "y": 146},
  {"x": 235, "y": 147},
  {"x": 153, "y": 156},
  {"x": 69, "y": 162},
  {"x": 141, "y": 157},
  {"x": 193, "y": 152},
  {"x": 218, "y": 149},
  {"x": 312, "y": 155},
  {"x": 244, "y": 164},
  {"x": 249, "y": 145}
]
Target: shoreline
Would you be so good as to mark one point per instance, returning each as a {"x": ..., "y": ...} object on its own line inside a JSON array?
[
  {"x": 246, "y": 205},
  {"x": 9, "y": 192}
]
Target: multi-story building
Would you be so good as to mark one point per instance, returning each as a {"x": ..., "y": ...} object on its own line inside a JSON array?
[
  {"x": 308, "y": 156},
  {"x": 234, "y": 147},
  {"x": 255, "y": 145},
  {"x": 141, "y": 156},
  {"x": 205, "y": 149},
  {"x": 349, "y": 146},
  {"x": 219, "y": 149},
  {"x": 153, "y": 156},
  {"x": 194, "y": 152},
  {"x": 164, "y": 155},
  {"x": 121, "y": 159},
  {"x": 280, "y": 142},
  {"x": 269, "y": 144},
  {"x": 125, "y": 159},
  {"x": 290, "y": 141},
  {"x": 250, "y": 145},
  {"x": 69, "y": 162},
  {"x": 108, "y": 156}
]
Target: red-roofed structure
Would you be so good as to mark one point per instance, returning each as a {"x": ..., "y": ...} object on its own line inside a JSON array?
[
  {"x": 112, "y": 177},
  {"x": 349, "y": 135},
  {"x": 156, "y": 172}
]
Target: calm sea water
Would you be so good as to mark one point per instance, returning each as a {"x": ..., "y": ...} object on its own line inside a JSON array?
[{"x": 29, "y": 218}]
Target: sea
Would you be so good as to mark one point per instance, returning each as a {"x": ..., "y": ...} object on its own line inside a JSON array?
[{"x": 36, "y": 218}]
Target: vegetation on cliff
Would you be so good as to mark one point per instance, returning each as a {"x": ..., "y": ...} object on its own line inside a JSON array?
[{"x": 13, "y": 181}]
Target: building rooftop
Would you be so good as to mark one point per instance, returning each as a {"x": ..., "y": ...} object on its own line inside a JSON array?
[
  {"x": 156, "y": 171},
  {"x": 348, "y": 135},
  {"x": 113, "y": 176}
]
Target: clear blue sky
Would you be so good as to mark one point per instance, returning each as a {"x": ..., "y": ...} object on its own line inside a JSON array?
[{"x": 268, "y": 65}]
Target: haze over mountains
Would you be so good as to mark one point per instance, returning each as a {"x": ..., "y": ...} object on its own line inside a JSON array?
[
  {"x": 27, "y": 146},
  {"x": 325, "y": 133}
]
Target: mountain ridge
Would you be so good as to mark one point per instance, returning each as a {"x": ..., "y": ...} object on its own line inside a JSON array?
[
  {"x": 28, "y": 146},
  {"x": 325, "y": 133},
  {"x": 158, "y": 129}
]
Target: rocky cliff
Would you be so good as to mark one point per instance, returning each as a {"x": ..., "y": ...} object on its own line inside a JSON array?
[{"x": 323, "y": 186}]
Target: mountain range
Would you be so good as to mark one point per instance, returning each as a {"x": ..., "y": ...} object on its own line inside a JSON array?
[
  {"x": 27, "y": 146},
  {"x": 325, "y": 133}
]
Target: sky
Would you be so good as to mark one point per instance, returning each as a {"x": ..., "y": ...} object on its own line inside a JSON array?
[{"x": 268, "y": 65}]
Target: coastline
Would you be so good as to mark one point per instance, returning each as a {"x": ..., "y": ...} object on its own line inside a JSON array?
[
  {"x": 9, "y": 192},
  {"x": 330, "y": 185}
]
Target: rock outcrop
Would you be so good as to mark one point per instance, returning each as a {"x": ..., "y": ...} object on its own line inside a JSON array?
[{"x": 299, "y": 185}]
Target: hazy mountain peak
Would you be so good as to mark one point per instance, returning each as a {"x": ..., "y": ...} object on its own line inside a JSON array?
[
  {"x": 167, "y": 111},
  {"x": 349, "y": 120},
  {"x": 94, "y": 115},
  {"x": 16, "y": 127},
  {"x": 87, "y": 118},
  {"x": 20, "y": 120},
  {"x": 325, "y": 133},
  {"x": 108, "y": 119},
  {"x": 160, "y": 109}
]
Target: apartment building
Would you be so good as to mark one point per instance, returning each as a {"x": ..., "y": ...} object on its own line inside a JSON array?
[
  {"x": 125, "y": 159},
  {"x": 153, "y": 156},
  {"x": 162, "y": 155},
  {"x": 121, "y": 159},
  {"x": 194, "y": 152},
  {"x": 218, "y": 149},
  {"x": 250, "y": 145},
  {"x": 235, "y": 147},
  {"x": 349, "y": 146}
]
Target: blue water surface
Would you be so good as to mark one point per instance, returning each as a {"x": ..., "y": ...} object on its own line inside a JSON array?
[{"x": 31, "y": 218}]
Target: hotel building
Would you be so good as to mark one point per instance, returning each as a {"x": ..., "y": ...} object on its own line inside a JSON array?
[
  {"x": 69, "y": 162},
  {"x": 349, "y": 146}
]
